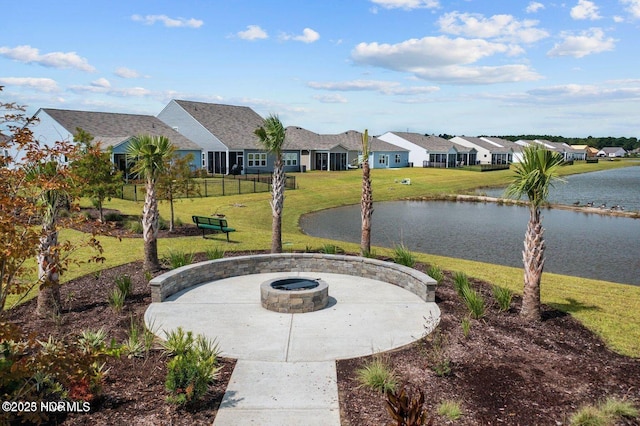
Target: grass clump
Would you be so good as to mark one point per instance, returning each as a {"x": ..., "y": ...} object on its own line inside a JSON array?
[
  {"x": 450, "y": 410},
  {"x": 503, "y": 297},
  {"x": 214, "y": 253},
  {"x": 179, "y": 258},
  {"x": 460, "y": 282},
  {"x": 474, "y": 302},
  {"x": 116, "y": 299},
  {"x": 436, "y": 273},
  {"x": 377, "y": 374},
  {"x": 609, "y": 412},
  {"x": 124, "y": 284},
  {"x": 403, "y": 256},
  {"x": 331, "y": 249}
]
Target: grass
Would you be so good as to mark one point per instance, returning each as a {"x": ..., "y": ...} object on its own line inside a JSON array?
[
  {"x": 377, "y": 374},
  {"x": 450, "y": 410},
  {"x": 611, "y": 310},
  {"x": 606, "y": 413}
]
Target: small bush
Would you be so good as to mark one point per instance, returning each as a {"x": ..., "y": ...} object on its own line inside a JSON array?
[
  {"x": 180, "y": 258},
  {"x": 450, "y": 410},
  {"x": 436, "y": 273},
  {"x": 215, "y": 253},
  {"x": 113, "y": 217},
  {"x": 163, "y": 225},
  {"x": 135, "y": 226},
  {"x": 376, "y": 374},
  {"x": 124, "y": 284},
  {"x": 116, "y": 299},
  {"x": 407, "y": 410},
  {"x": 403, "y": 256},
  {"x": 503, "y": 297},
  {"x": 139, "y": 340},
  {"x": 331, "y": 249},
  {"x": 474, "y": 301},
  {"x": 371, "y": 254},
  {"x": 92, "y": 342},
  {"x": 588, "y": 416},
  {"x": 177, "y": 341},
  {"x": 615, "y": 408}
]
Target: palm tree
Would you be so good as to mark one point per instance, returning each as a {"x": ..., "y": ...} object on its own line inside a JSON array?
[
  {"x": 271, "y": 136},
  {"x": 366, "y": 201},
  {"x": 535, "y": 174},
  {"x": 151, "y": 154}
]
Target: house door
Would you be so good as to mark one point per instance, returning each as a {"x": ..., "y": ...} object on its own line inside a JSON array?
[
  {"x": 220, "y": 162},
  {"x": 383, "y": 161}
]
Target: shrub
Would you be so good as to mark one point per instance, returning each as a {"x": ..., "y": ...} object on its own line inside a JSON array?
[
  {"x": 139, "y": 341},
  {"x": 503, "y": 297},
  {"x": 474, "y": 301},
  {"x": 331, "y": 249},
  {"x": 113, "y": 217},
  {"x": 163, "y": 225},
  {"x": 403, "y": 256},
  {"x": 615, "y": 408},
  {"x": 376, "y": 374},
  {"x": 135, "y": 226},
  {"x": 215, "y": 253},
  {"x": 193, "y": 367},
  {"x": 407, "y": 410},
  {"x": 179, "y": 258},
  {"x": 588, "y": 416},
  {"x": 92, "y": 342},
  {"x": 450, "y": 410},
  {"x": 436, "y": 273},
  {"x": 124, "y": 284}
]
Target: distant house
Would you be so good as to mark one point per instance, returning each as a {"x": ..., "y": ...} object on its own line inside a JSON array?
[
  {"x": 342, "y": 151},
  {"x": 568, "y": 152},
  {"x": 112, "y": 130},
  {"x": 491, "y": 150},
  {"x": 431, "y": 151},
  {"x": 612, "y": 152},
  {"x": 226, "y": 136},
  {"x": 590, "y": 151}
]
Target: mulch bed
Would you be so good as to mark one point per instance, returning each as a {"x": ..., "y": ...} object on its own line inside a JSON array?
[{"x": 504, "y": 372}]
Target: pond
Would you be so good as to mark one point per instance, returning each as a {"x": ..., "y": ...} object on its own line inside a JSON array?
[{"x": 579, "y": 244}]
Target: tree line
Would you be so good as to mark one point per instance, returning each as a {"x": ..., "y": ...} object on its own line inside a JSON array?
[{"x": 596, "y": 142}]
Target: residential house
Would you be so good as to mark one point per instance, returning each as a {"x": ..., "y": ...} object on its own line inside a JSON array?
[
  {"x": 343, "y": 150},
  {"x": 491, "y": 150},
  {"x": 612, "y": 152},
  {"x": 111, "y": 130},
  {"x": 567, "y": 151},
  {"x": 590, "y": 151},
  {"x": 226, "y": 134},
  {"x": 431, "y": 151}
]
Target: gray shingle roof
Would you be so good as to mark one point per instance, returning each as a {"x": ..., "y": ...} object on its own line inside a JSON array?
[
  {"x": 111, "y": 129},
  {"x": 299, "y": 138},
  {"x": 494, "y": 145},
  {"x": 431, "y": 142},
  {"x": 233, "y": 125}
]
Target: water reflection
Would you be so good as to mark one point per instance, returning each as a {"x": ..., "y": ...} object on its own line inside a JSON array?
[{"x": 579, "y": 244}]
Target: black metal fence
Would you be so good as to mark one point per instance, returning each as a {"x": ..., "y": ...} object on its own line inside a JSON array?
[{"x": 214, "y": 186}]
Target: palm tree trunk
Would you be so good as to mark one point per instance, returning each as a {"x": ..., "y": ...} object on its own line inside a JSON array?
[
  {"x": 277, "y": 205},
  {"x": 366, "y": 209},
  {"x": 150, "y": 228},
  {"x": 533, "y": 258},
  {"x": 48, "y": 303}
]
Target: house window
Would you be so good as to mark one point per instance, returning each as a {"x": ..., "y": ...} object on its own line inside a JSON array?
[
  {"x": 290, "y": 159},
  {"x": 398, "y": 159},
  {"x": 382, "y": 160},
  {"x": 256, "y": 159}
]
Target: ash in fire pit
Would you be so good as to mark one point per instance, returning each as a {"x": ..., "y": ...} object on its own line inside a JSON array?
[
  {"x": 294, "y": 294},
  {"x": 294, "y": 284}
]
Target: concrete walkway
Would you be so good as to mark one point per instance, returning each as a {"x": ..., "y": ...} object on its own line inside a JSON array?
[{"x": 285, "y": 374}]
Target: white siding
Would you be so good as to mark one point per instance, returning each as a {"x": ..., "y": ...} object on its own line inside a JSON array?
[{"x": 417, "y": 154}]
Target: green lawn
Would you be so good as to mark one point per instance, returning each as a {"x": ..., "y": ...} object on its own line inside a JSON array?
[{"x": 611, "y": 310}]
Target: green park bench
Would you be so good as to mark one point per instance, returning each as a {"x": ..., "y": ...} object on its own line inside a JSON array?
[{"x": 214, "y": 224}]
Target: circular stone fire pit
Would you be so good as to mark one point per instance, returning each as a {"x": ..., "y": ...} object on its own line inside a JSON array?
[{"x": 294, "y": 295}]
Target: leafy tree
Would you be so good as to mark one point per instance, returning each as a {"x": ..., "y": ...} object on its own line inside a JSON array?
[
  {"x": 366, "y": 201},
  {"x": 271, "y": 136},
  {"x": 97, "y": 178},
  {"x": 177, "y": 180},
  {"x": 151, "y": 154},
  {"x": 535, "y": 174},
  {"x": 33, "y": 188}
]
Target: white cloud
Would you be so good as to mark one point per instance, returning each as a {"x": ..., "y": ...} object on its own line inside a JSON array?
[
  {"x": 633, "y": 7},
  {"x": 28, "y": 54},
  {"x": 585, "y": 43},
  {"x": 253, "y": 32},
  {"x": 499, "y": 27},
  {"x": 308, "y": 36},
  {"x": 407, "y": 4},
  {"x": 101, "y": 82},
  {"x": 124, "y": 72},
  {"x": 384, "y": 87},
  {"x": 585, "y": 9},
  {"x": 577, "y": 93},
  {"x": 331, "y": 99},
  {"x": 167, "y": 21},
  {"x": 534, "y": 6},
  {"x": 618, "y": 19},
  {"x": 40, "y": 84}
]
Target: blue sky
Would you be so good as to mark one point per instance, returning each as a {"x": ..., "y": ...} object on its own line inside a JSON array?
[{"x": 464, "y": 67}]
